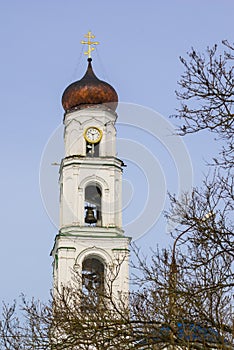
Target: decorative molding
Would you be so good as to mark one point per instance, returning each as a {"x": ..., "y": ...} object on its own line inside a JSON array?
[
  {"x": 93, "y": 252},
  {"x": 94, "y": 178}
]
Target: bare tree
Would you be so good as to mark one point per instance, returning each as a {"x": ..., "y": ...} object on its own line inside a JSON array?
[
  {"x": 207, "y": 95},
  {"x": 205, "y": 216},
  {"x": 176, "y": 308},
  {"x": 187, "y": 293}
]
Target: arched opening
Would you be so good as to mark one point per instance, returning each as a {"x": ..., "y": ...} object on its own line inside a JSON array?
[
  {"x": 92, "y": 207},
  {"x": 92, "y": 283},
  {"x": 92, "y": 276},
  {"x": 92, "y": 149}
]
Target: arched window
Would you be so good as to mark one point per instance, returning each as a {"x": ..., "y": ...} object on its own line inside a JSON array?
[
  {"x": 92, "y": 278},
  {"x": 93, "y": 201}
]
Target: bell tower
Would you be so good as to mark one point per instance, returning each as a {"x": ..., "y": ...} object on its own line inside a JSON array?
[{"x": 91, "y": 240}]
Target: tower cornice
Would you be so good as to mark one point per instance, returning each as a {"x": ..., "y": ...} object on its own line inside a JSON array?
[
  {"x": 95, "y": 111},
  {"x": 79, "y": 160}
]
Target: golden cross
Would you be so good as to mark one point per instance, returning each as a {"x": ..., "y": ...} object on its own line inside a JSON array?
[{"x": 89, "y": 43}]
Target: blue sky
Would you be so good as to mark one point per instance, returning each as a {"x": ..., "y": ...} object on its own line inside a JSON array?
[{"x": 41, "y": 54}]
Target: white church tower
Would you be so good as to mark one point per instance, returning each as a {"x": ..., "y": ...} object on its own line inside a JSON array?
[{"x": 91, "y": 240}]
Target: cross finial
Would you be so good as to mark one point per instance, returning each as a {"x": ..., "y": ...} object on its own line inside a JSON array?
[{"x": 89, "y": 43}]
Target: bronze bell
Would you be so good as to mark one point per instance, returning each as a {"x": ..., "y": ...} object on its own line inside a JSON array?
[{"x": 90, "y": 218}]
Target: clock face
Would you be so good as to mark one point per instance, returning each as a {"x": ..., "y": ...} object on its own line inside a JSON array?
[{"x": 93, "y": 134}]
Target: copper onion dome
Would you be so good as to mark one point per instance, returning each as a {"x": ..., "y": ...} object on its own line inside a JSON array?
[{"x": 89, "y": 91}]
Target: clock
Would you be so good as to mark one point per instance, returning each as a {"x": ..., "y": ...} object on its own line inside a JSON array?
[{"x": 93, "y": 134}]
